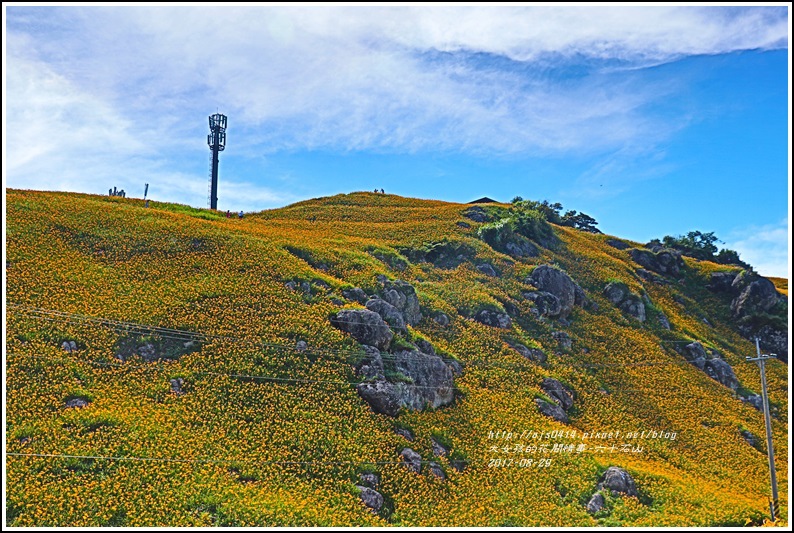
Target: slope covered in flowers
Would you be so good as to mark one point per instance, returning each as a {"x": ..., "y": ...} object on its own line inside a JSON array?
[{"x": 265, "y": 434}]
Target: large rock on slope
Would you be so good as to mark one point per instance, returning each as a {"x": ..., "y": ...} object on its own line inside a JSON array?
[
  {"x": 558, "y": 392},
  {"x": 402, "y": 296},
  {"x": 630, "y": 303},
  {"x": 722, "y": 372},
  {"x": 665, "y": 261},
  {"x": 494, "y": 319},
  {"x": 760, "y": 296},
  {"x": 390, "y": 314},
  {"x": 371, "y": 498},
  {"x": 618, "y": 480},
  {"x": 366, "y": 326},
  {"x": 552, "y": 410},
  {"x": 558, "y": 283},
  {"x": 426, "y": 381}
]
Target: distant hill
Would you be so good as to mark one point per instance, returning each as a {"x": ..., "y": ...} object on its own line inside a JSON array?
[{"x": 367, "y": 359}]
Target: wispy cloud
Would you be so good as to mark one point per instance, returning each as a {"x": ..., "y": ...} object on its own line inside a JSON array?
[
  {"x": 98, "y": 88},
  {"x": 765, "y": 247}
]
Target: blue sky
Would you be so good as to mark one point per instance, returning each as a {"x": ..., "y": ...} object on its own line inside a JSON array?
[{"x": 654, "y": 120}]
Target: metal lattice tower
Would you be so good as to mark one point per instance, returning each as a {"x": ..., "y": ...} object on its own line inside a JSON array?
[{"x": 217, "y": 142}]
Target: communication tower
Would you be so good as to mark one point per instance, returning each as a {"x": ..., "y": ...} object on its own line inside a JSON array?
[{"x": 217, "y": 142}]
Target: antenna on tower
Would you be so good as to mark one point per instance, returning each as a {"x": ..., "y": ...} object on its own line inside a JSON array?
[{"x": 217, "y": 142}]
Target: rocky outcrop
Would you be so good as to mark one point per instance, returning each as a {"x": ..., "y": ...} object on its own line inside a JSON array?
[
  {"x": 552, "y": 410},
  {"x": 441, "y": 319},
  {"x": 546, "y": 304},
  {"x": 755, "y": 400},
  {"x": 69, "y": 346},
  {"x": 487, "y": 269},
  {"x": 411, "y": 460},
  {"x": 370, "y": 479},
  {"x": 366, "y": 326},
  {"x": 355, "y": 294},
  {"x": 533, "y": 354},
  {"x": 371, "y": 498},
  {"x": 402, "y": 296},
  {"x": 390, "y": 314},
  {"x": 176, "y": 386},
  {"x": 301, "y": 346},
  {"x": 559, "y": 284},
  {"x": 620, "y": 245},
  {"x": 719, "y": 370},
  {"x": 439, "y": 450},
  {"x": 621, "y": 297},
  {"x": 619, "y": 481},
  {"x": 663, "y": 320},
  {"x": 664, "y": 261},
  {"x": 418, "y": 381},
  {"x": 521, "y": 247},
  {"x": 759, "y": 296},
  {"x": 558, "y": 392},
  {"x": 711, "y": 363},
  {"x": 382, "y": 396},
  {"x": 596, "y": 503},
  {"x": 476, "y": 214},
  {"x": 77, "y": 403},
  {"x": 436, "y": 470},
  {"x": 404, "y": 432},
  {"x": 751, "y": 439},
  {"x": 721, "y": 281},
  {"x": 495, "y": 319}
]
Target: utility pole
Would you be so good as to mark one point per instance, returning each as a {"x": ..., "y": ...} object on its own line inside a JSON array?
[{"x": 761, "y": 360}]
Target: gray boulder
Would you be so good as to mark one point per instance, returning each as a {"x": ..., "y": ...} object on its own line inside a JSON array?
[
  {"x": 439, "y": 450},
  {"x": 751, "y": 439},
  {"x": 722, "y": 281},
  {"x": 390, "y": 314},
  {"x": 487, "y": 269},
  {"x": 722, "y": 372},
  {"x": 382, "y": 396},
  {"x": 772, "y": 340},
  {"x": 405, "y": 432},
  {"x": 355, "y": 294},
  {"x": 551, "y": 410},
  {"x": 69, "y": 346},
  {"x": 618, "y": 481},
  {"x": 663, "y": 321},
  {"x": 755, "y": 400},
  {"x": 596, "y": 503},
  {"x": 557, "y": 282},
  {"x": 176, "y": 386},
  {"x": 370, "y": 479},
  {"x": 147, "y": 352},
  {"x": 432, "y": 380},
  {"x": 494, "y": 319},
  {"x": 546, "y": 304},
  {"x": 664, "y": 261},
  {"x": 521, "y": 248},
  {"x": 436, "y": 470},
  {"x": 371, "y": 365},
  {"x": 371, "y": 498},
  {"x": 533, "y": 354},
  {"x": 402, "y": 295},
  {"x": 366, "y": 326},
  {"x": 695, "y": 354},
  {"x": 411, "y": 459},
  {"x": 477, "y": 214},
  {"x": 760, "y": 296},
  {"x": 301, "y": 346},
  {"x": 620, "y": 245},
  {"x": 77, "y": 403},
  {"x": 558, "y": 392},
  {"x": 629, "y": 302},
  {"x": 441, "y": 319}
]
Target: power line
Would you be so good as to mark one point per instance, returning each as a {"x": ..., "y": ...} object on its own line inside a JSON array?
[
  {"x": 210, "y": 461},
  {"x": 190, "y": 335},
  {"x": 607, "y": 389}
]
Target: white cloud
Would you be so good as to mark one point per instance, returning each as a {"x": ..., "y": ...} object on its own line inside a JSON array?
[
  {"x": 765, "y": 247},
  {"x": 104, "y": 89}
]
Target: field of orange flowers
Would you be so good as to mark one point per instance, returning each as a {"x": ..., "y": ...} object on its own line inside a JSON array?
[{"x": 264, "y": 434}]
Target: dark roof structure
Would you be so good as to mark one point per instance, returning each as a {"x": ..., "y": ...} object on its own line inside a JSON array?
[{"x": 484, "y": 200}]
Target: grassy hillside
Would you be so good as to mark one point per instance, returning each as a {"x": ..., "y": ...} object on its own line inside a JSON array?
[{"x": 267, "y": 434}]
